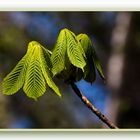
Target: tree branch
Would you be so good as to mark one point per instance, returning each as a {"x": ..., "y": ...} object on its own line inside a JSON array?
[{"x": 92, "y": 108}]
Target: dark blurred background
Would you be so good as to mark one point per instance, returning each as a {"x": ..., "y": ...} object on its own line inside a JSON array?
[{"x": 116, "y": 39}]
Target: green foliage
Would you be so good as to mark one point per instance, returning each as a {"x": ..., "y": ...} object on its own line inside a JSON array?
[
  {"x": 72, "y": 59},
  {"x": 67, "y": 45},
  {"x": 58, "y": 54},
  {"x": 75, "y": 51},
  {"x": 98, "y": 64},
  {"x": 15, "y": 79},
  {"x": 46, "y": 67},
  {"x": 89, "y": 71},
  {"x": 71, "y": 72},
  {"x": 34, "y": 81},
  {"x": 31, "y": 72}
]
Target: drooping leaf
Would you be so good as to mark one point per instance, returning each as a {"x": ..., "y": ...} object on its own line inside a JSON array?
[
  {"x": 47, "y": 73},
  {"x": 79, "y": 74},
  {"x": 34, "y": 85},
  {"x": 47, "y": 55},
  {"x": 58, "y": 54},
  {"x": 79, "y": 44},
  {"x": 75, "y": 51},
  {"x": 85, "y": 42},
  {"x": 95, "y": 58},
  {"x": 15, "y": 79},
  {"x": 98, "y": 65},
  {"x": 31, "y": 72},
  {"x": 67, "y": 53},
  {"x": 89, "y": 74},
  {"x": 90, "y": 51},
  {"x": 89, "y": 70}
]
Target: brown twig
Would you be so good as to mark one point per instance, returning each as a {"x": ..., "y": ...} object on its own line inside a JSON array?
[{"x": 91, "y": 107}]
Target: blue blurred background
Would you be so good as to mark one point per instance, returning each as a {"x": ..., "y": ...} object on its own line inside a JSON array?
[{"x": 115, "y": 36}]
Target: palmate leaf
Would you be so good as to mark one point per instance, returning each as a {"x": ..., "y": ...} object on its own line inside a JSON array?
[
  {"x": 89, "y": 74},
  {"x": 89, "y": 70},
  {"x": 67, "y": 46},
  {"x": 32, "y": 72}
]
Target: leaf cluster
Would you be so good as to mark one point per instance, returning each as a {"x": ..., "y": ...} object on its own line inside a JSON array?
[
  {"x": 72, "y": 59},
  {"x": 32, "y": 72}
]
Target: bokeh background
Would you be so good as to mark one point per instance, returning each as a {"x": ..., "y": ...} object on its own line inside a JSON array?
[{"x": 116, "y": 39}]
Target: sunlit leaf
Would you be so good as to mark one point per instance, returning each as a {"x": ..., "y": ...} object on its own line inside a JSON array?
[
  {"x": 75, "y": 51},
  {"x": 34, "y": 85},
  {"x": 58, "y": 54},
  {"x": 15, "y": 79},
  {"x": 47, "y": 73},
  {"x": 32, "y": 72},
  {"x": 67, "y": 51},
  {"x": 89, "y": 74}
]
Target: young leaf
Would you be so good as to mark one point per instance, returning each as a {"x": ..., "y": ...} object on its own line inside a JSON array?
[
  {"x": 31, "y": 72},
  {"x": 98, "y": 65},
  {"x": 79, "y": 44},
  {"x": 75, "y": 51},
  {"x": 89, "y": 73},
  {"x": 58, "y": 54},
  {"x": 47, "y": 55},
  {"x": 34, "y": 85},
  {"x": 47, "y": 73},
  {"x": 15, "y": 79},
  {"x": 85, "y": 42},
  {"x": 90, "y": 51}
]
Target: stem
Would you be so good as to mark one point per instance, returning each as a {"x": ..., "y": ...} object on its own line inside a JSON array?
[{"x": 92, "y": 108}]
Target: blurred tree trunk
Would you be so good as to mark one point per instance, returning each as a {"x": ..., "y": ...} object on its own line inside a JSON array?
[
  {"x": 129, "y": 113},
  {"x": 116, "y": 64}
]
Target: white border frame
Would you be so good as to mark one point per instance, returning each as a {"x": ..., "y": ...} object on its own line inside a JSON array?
[{"x": 70, "y": 5}]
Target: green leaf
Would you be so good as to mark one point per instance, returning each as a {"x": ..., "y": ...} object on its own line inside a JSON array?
[
  {"x": 47, "y": 73},
  {"x": 75, "y": 51},
  {"x": 79, "y": 74},
  {"x": 67, "y": 51},
  {"x": 34, "y": 85},
  {"x": 89, "y": 70},
  {"x": 89, "y": 74},
  {"x": 15, "y": 79},
  {"x": 92, "y": 58},
  {"x": 67, "y": 73},
  {"x": 85, "y": 42},
  {"x": 58, "y": 54},
  {"x": 47, "y": 55},
  {"x": 98, "y": 65},
  {"x": 79, "y": 44},
  {"x": 91, "y": 54},
  {"x": 31, "y": 72}
]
